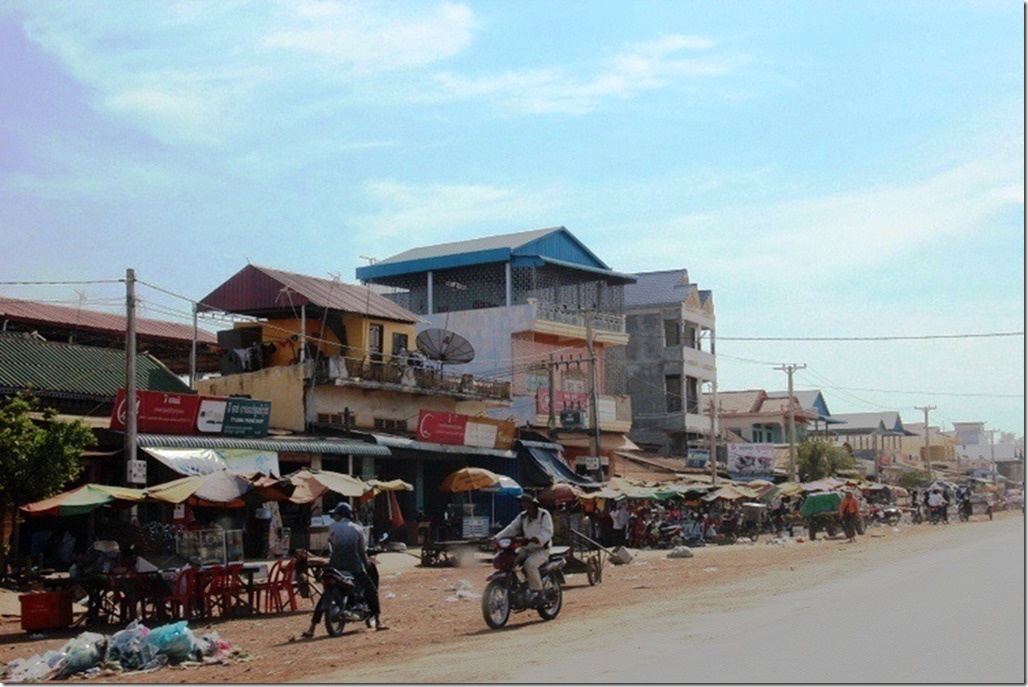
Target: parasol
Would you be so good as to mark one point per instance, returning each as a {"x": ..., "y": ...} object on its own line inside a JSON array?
[
  {"x": 559, "y": 493},
  {"x": 730, "y": 493},
  {"x": 222, "y": 488},
  {"x": 468, "y": 479},
  {"x": 311, "y": 484},
  {"x": 506, "y": 486},
  {"x": 84, "y": 499}
]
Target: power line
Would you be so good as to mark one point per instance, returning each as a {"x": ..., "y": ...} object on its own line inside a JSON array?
[{"x": 869, "y": 338}]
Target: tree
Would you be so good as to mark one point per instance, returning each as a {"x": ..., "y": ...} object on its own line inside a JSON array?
[
  {"x": 816, "y": 458},
  {"x": 37, "y": 456},
  {"x": 912, "y": 479}
]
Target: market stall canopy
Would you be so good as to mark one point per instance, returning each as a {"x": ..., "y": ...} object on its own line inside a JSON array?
[
  {"x": 604, "y": 493},
  {"x": 506, "y": 486},
  {"x": 559, "y": 494},
  {"x": 783, "y": 490},
  {"x": 84, "y": 499},
  {"x": 468, "y": 479},
  {"x": 223, "y": 488},
  {"x": 730, "y": 493},
  {"x": 630, "y": 490},
  {"x": 379, "y": 486},
  {"x": 311, "y": 484},
  {"x": 543, "y": 465}
]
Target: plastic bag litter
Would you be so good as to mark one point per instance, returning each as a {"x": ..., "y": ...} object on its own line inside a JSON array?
[
  {"x": 680, "y": 552},
  {"x": 175, "y": 640},
  {"x": 80, "y": 654},
  {"x": 130, "y": 650},
  {"x": 33, "y": 669}
]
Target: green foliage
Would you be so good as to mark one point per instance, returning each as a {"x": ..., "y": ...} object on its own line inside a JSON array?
[
  {"x": 816, "y": 459},
  {"x": 37, "y": 458},
  {"x": 912, "y": 479}
]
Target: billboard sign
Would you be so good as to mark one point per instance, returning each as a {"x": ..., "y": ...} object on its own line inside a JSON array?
[
  {"x": 751, "y": 461},
  {"x": 462, "y": 430},
  {"x": 167, "y": 413}
]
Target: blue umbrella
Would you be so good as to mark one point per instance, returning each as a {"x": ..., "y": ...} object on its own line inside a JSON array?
[{"x": 506, "y": 486}]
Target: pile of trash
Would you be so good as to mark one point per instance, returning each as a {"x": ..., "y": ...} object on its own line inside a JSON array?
[
  {"x": 136, "y": 648},
  {"x": 461, "y": 590}
]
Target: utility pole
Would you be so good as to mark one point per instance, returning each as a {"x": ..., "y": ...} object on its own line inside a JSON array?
[
  {"x": 714, "y": 410},
  {"x": 131, "y": 430},
  {"x": 594, "y": 419},
  {"x": 789, "y": 369},
  {"x": 551, "y": 421},
  {"x": 927, "y": 442},
  {"x": 192, "y": 352}
]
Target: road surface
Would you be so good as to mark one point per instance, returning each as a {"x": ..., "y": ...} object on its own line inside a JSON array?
[{"x": 955, "y": 613}]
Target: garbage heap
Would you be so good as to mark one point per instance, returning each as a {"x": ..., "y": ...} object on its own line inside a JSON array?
[{"x": 136, "y": 648}]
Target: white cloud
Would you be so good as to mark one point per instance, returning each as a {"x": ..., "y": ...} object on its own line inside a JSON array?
[
  {"x": 642, "y": 67},
  {"x": 373, "y": 38},
  {"x": 447, "y": 210}
]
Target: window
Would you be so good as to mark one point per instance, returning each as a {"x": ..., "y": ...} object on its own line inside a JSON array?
[
  {"x": 375, "y": 333},
  {"x": 673, "y": 393},
  {"x": 672, "y": 333},
  {"x": 400, "y": 343},
  {"x": 390, "y": 425}
]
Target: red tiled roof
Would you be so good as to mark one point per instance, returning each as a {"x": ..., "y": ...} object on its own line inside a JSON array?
[
  {"x": 33, "y": 313},
  {"x": 256, "y": 289}
]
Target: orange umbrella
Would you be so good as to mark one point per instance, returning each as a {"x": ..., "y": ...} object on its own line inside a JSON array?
[
  {"x": 468, "y": 479},
  {"x": 559, "y": 493}
]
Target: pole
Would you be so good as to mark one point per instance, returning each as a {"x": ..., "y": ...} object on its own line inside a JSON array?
[
  {"x": 927, "y": 441},
  {"x": 715, "y": 407},
  {"x": 551, "y": 421},
  {"x": 789, "y": 369},
  {"x": 131, "y": 431},
  {"x": 594, "y": 419},
  {"x": 192, "y": 353}
]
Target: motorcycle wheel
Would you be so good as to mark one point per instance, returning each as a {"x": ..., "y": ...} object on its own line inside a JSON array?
[
  {"x": 592, "y": 571},
  {"x": 551, "y": 588},
  {"x": 335, "y": 618},
  {"x": 496, "y": 604}
]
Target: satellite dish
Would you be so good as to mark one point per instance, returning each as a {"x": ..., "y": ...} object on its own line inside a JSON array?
[{"x": 445, "y": 346}]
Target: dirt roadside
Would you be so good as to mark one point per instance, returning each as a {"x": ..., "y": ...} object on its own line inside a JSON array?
[{"x": 428, "y": 614}]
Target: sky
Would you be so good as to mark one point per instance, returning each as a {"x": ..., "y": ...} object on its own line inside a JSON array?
[{"x": 826, "y": 170}]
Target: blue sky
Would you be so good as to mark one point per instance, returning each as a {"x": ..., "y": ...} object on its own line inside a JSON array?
[{"x": 826, "y": 169}]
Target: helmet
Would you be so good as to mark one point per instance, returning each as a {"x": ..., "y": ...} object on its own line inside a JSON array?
[{"x": 342, "y": 508}]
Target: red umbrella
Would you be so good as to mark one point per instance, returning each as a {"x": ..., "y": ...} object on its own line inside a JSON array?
[{"x": 559, "y": 493}]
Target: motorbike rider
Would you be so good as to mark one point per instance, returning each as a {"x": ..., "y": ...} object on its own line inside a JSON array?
[
  {"x": 349, "y": 553},
  {"x": 535, "y": 524}
]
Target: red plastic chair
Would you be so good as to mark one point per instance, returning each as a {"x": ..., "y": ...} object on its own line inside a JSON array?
[
  {"x": 281, "y": 587},
  {"x": 181, "y": 603},
  {"x": 262, "y": 589},
  {"x": 212, "y": 587}
]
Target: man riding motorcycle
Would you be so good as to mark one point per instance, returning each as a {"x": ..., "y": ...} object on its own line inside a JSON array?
[
  {"x": 535, "y": 524},
  {"x": 349, "y": 553}
]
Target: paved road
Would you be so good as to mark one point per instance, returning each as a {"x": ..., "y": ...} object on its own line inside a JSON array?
[{"x": 953, "y": 615}]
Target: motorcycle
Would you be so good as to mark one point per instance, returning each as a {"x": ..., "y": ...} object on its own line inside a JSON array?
[
  {"x": 886, "y": 515},
  {"x": 344, "y": 599},
  {"x": 507, "y": 591}
]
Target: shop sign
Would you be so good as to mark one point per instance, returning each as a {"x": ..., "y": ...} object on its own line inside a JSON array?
[
  {"x": 167, "y": 413},
  {"x": 461, "y": 430},
  {"x": 563, "y": 400},
  {"x": 697, "y": 458},
  {"x": 136, "y": 472},
  {"x": 158, "y": 412}
]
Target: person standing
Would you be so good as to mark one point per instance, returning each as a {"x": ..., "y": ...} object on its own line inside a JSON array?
[
  {"x": 849, "y": 511},
  {"x": 620, "y": 519}
]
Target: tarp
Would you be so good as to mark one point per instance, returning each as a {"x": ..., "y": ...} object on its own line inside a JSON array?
[
  {"x": 203, "y": 461},
  {"x": 541, "y": 467},
  {"x": 820, "y": 503},
  {"x": 84, "y": 499},
  {"x": 730, "y": 493}
]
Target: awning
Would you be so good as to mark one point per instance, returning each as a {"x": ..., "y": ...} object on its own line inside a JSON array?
[
  {"x": 541, "y": 467},
  {"x": 352, "y": 448},
  {"x": 203, "y": 461},
  {"x": 388, "y": 441}
]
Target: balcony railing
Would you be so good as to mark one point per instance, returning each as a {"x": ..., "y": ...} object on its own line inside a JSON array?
[
  {"x": 602, "y": 321},
  {"x": 424, "y": 377}
]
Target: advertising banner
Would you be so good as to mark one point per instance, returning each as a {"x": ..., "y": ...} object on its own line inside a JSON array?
[
  {"x": 166, "y": 413},
  {"x": 697, "y": 458},
  {"x": 462, "y": 430},
  {"x": 751, "y": 461}
]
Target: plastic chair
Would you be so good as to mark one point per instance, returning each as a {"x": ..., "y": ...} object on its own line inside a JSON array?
[
  {"x": 215, "y": 592},
  {"x": 262, "y": 589},
  {"x": 181, "y": 603},
  {"x": 281, "y": 584}
]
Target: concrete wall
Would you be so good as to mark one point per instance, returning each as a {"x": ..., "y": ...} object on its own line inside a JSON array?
[{"x": 282, "y": 385}]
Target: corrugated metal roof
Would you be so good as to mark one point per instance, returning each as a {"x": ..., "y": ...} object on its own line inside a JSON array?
[
  {"x": 659, "y": 288},
  {"x": 256, "y": 289},
  {"x": 47, "y": 366},
  {"x": 30, "y": 312},
  {"x": 487, "y": 243},
  {"x": 555, "y": 245},
  {"x": 352, "y": 448}
]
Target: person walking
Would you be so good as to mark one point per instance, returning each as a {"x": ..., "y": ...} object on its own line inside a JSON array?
[
  {"x": 620, "y": 519},
  {"x": 849, "y": 511}
]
